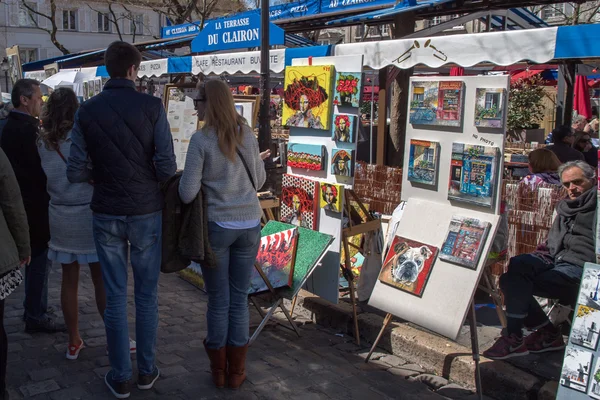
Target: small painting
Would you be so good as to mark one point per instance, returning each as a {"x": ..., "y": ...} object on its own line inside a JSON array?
[
  {"x": 437, "y": 103},
  {"x": 308, "y": 97},
  {"x": 343, "y": 128},
  {"x": 589, "y": 289},
  {"x": 276, "y": 256},
  {"x": 489, "y": 107},
  {"x": 306, "y": 156},
  {"x": 331, "y": 197},
  {"x": 586, "y": 326},
  {"x": 423, "y": 162},
  {"x": 594, "y": 391},
  {"x": 576, "y": 368},
  {"x": 348, "y": 89},
  {"x": 465, "y": 241},
  {"x": 299, "y": 203},
  {"x": 408, "y": 265},
  {"x": 342, "y": 162},
  {"x": 473, "y": 174}
]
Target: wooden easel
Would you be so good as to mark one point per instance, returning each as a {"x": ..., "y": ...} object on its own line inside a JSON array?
[{"x": 371, "y": 225}]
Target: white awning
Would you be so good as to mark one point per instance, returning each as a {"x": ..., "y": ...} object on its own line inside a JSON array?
[
  {"x": 232, "y": 63},
  {"x": 500, "y": 48},
  {"x": 153, "y": 68}
]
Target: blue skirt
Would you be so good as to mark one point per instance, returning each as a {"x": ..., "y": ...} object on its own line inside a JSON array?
[{"x": 68, "y": 258}]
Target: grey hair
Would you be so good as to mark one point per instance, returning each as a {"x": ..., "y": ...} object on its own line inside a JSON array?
[
  {"x": 23, "y": 87},
  {"x": 579, "y": 118},
  {"x": 588, "y": 171}
]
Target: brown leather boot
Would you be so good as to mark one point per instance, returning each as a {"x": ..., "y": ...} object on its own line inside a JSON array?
[
  {"x": 236, "y": 371},
  {"x": 218, "y": 364}
]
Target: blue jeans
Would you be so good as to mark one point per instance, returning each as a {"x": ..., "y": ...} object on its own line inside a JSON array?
[
  {"x": 529, "y": 275},
  {"x": 144, "y": 234},
  {"x": 227, "y": 284},
  {"x": 36, "y": 286}
]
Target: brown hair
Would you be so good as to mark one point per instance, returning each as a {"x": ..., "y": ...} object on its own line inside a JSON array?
[
  {"x": 58, "y": 116},
  {"x": 222, "y": 116},
  {"x": 119, "y": 57},
  {"x": 543, "y": 160},
  {"x": 578, "y": 136}
]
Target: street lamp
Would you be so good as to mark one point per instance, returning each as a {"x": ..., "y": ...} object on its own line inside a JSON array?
[{"x": 4, "y": 67}]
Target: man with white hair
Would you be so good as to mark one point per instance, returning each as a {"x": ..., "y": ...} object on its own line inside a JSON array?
[
  {"x": 554, "y": 270},
  {"x": 579, "y": 123}
]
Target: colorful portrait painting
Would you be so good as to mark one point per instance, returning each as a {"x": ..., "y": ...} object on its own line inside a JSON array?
[
  {"x": 423, "y": 162},
  {"x": 347, "y": 89},
  {"x": 307, "y": 97},
  {"x": 489, "y": 107},
  {"x": 437, "y": 103},
  {"x": 331, "y": 197},
  {"x": 342, "y": 162},
  {"x": 465, "y": 241},
  {"x": 343, "y": 128},
  {"x": 276, "y": 256},
  {"x": 473, "y": 174},
  {"x": 576, "y": 369},
  {"x": 408, "y": 265},
  {"x": 306, "y": 156},
  {"x": 299, "y": 204}
]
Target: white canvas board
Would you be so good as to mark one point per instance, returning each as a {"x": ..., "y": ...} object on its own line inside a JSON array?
[
  {"x": 450, "y": 288},
  {"x": 324, "y": 281}
]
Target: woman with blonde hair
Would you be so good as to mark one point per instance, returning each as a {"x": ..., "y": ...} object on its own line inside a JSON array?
[
  {"x": 224, "y": 159},
  {"x": 543, "y": 165}
]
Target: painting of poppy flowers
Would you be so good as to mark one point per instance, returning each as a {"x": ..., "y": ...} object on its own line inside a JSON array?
[
  {"x": 348, "y": 89},
  {"x": 307, "y": 156}
]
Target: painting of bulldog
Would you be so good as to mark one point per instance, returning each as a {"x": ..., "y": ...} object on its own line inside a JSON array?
[{"x": 408, "y": 265}]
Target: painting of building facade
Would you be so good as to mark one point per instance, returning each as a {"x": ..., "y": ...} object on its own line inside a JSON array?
[
  {"x": 489, "y": 107},
  {"x": 276, "y": 256},
  {"x": 465, "y": 241},
  {"x": 473, "y": 174},
  {"x": 423, "y": 162},
  {"x": 437, "y": 103},
  {"x": 343, "y": 128},
  {"x": 408, "y": 265},
  {"x": 347, "y": 89},
  {"x": 307, "y": 156},
  {"x": 308, "y": 97},
  {"x": 299, "y": 205}
]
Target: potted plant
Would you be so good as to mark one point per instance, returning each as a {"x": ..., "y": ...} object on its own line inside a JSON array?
[{"x": 526, "y": 110}]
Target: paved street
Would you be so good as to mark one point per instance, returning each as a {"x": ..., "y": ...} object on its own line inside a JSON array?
[{"x": 318, "y": 365}]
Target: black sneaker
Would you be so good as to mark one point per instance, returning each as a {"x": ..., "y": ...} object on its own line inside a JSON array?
[
  {"x": 47, "y": 326},
  {"x": 146, "y": 382},
  {"x": 121, "y": 390},
  {"x": 49, "y": 310}
]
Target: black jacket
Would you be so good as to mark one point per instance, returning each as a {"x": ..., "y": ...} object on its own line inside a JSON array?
[
  {"x": 184, "y": 230},
  {"x": 19, "y": 143},
  {"x": 129, "y": 142},
  {"x": 565, "y": 153}
]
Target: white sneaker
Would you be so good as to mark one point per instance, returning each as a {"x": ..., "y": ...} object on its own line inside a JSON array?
[{"x": 132, "y": 347}]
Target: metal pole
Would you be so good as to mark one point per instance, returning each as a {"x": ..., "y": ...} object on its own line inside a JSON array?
[
  {"x": 264, "y": 126},
  {"x": 6, "y": 80},
  {"x": 372, "y": 118},
  {"x": 475, "y": 349}
]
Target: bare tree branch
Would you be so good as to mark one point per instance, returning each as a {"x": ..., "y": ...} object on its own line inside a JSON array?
[{"x": 53, "y": 30}]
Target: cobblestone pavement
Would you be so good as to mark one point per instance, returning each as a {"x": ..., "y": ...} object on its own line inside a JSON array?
[{"x": 317, "y": 365}]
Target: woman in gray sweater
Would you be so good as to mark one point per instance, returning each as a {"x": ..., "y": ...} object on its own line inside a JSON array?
[{"x": 215, "y": 162}]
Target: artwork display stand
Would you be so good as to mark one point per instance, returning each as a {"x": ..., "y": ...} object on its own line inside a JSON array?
[{"x": 371, "y": 225}]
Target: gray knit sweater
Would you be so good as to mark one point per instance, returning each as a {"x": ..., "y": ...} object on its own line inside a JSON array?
[{"x": 225, "y": 184}]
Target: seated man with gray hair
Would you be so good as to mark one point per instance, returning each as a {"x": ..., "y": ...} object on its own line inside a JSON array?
[{"x": 554, "y": 270}]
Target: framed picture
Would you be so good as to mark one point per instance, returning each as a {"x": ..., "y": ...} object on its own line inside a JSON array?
[
  {"x": 347, "y": 89},
  {"x": 423, "y": 162},
  {"x": 344, "y": 128},
  {"x": 255, "y": 104},
  {"x": 331, "y": 197},
  {"x": 299, "y": 201},
  {"x": 437, "y": 103},
  {"x": 464, "y": 241},
  {"x": 489, "y": 107},
  {"x": 15, "y": 70},
  {"x": 51, "y": 69},
  {"x": 306, "y": 156},
  {"x": 181, "y": 114},
  {"x": 342, "y": 162}
]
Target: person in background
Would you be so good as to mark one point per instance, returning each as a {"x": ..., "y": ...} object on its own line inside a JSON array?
[
  {"x": 223, "y": 158},
  {"x": 579, "y": 123},
  {"x": 71, "y": 240},
  {"x": 583, "y": 143},
  {"x": 15, "y": 250},
  {"x": 562, "y": 139},
  {"x": 543, "y": 165},
  {"x": 127, "y": 137},
  {"x": 593, "y": 128},
  {"x": 19, "y": 143},
  {"x": 553, "y": 271}
]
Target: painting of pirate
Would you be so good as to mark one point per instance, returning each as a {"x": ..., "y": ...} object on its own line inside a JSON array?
[
  {"x": 297, "y": 200},
  {"x": 341, "y": 132},
  {"x": 303, "y": 96},
  {"x": 330, "y": 197},
  {"x": 341, "y": 164}
]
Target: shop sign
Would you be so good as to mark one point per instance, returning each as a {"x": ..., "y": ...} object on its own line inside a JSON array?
[
  {"x": 234, "y": 33},
  {"x": 328, "y": 6},
  {"x": 294, "y": 10},
  {"x": 231, "y": 63},
  {"x": 180, "y": 30},
  {"x": 153, "y": 68}
]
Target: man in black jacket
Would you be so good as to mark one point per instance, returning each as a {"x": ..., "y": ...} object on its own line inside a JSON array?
[
  {"x": 127, "y": 137},
  {"x": 19, "y": 143},
  {"x": 553, "y": 271}
]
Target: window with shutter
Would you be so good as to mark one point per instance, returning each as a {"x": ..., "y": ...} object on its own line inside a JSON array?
[
  {"x": 70, "y": 20},
  {"x": 28, "y": 55},
  {"x": 104, "y": 24}
]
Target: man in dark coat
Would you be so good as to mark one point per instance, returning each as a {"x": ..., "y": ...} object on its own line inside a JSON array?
[
  {"x": 19, "y": 143},
  {"x": 562, "y": 139},
  {"x": 553, "y": 271}
]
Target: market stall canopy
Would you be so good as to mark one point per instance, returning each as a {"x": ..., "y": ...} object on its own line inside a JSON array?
[
  {"x": 69, "y": 77},
  {"x": 500, "y": 48}
]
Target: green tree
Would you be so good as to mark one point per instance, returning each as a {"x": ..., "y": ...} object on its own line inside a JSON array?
[{"x": 525, "y": 104}]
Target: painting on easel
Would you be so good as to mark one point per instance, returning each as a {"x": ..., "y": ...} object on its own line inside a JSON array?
[
  {"x": 464, "y": 241},
  {"x": 276, "y": 256},
  {"x": 299, "y": 204},
  {"x": 408, "y": 265}
]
